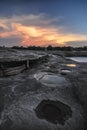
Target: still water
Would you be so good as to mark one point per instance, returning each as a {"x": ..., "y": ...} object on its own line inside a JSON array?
[{"x": 78, "y": 59}]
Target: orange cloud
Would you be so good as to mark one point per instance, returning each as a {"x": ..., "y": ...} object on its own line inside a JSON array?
[
  {"x": 37, "y": 35},
  {"x": 3, "y": 25},
  {"x": 8, "y": 34},
  {"x": 32, "y": 35}
]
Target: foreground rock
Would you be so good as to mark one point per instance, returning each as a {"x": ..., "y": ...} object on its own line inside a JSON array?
[{"x": 14, "y": 62}]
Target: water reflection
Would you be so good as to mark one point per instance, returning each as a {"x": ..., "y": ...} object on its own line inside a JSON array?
[
  {"x": 71, "y": 65},
  {"x": 65, "y": 71},
  {"x": 78, "y": 59},
  {"x": 50, "y": 79}
]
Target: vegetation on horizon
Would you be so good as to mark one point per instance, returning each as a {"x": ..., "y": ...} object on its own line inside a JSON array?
[{"x": 49, "y": 48}]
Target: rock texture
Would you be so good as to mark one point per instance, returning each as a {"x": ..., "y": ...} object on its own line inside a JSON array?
[{"x": 44, "y": 97}]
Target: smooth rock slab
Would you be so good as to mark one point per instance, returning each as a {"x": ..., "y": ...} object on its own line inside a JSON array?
[{"x": 21, "y": 114}]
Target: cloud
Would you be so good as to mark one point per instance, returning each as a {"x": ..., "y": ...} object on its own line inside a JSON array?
[
  {"x": 10, "y": 41},
  {"x": 36, "y": 30},
  {"x": 3, "y": 27},
  {"x": 76, "y": 43}
]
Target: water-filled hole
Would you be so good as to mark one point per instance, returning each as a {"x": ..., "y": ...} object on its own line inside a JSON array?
[{"x": 53, "y": 111}]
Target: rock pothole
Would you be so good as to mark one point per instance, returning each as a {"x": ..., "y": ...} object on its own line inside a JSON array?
[
  {"x": 51, "y": 79},
  {"x": 53, "y": 111}
]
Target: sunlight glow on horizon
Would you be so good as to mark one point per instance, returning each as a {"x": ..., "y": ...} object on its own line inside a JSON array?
[{"x": 36, "y": 35}]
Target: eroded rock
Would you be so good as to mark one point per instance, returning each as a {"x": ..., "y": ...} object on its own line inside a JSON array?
[{"x": 53, "y": 111}]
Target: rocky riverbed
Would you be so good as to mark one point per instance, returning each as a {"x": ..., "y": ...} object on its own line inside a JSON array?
[{"x": 51, "y": 95}]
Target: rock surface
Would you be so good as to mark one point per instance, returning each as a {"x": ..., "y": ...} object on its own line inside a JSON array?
[{"x": 28, "y": 99}]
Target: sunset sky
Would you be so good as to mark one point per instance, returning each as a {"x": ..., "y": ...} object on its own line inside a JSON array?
[{"x": 43, "y": 22}]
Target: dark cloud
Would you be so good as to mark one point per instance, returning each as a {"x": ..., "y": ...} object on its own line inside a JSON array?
[
  {"x": 76, "y": 43},
  {"x": 1, "y": 29},
  {"x": 10, "y": 41}
]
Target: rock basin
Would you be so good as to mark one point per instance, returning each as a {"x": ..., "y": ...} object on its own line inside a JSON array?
[{"x": 51, "y": 79}]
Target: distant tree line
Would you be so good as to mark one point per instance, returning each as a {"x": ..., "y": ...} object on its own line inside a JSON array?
[{"x": 49, "y": 48}]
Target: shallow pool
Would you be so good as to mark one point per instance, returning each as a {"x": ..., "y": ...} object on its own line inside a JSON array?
[
  {"x": 50, "y": 79},
  {"x": 78, "y": 59}
]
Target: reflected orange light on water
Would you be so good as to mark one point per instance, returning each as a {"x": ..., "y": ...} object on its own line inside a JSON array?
[{"x": 71, "y": 65}]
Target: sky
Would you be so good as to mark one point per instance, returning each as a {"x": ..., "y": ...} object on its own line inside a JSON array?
[{"x": 43, "y": 23}]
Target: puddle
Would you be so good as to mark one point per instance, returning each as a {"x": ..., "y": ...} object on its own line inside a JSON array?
[
  {"x": 53, "y": 111},
  {"x": 71, "y": 65},
  {"x": 65, "y": 71},
  {"x": 47, "y": 67},
  {"x": 78, "y": 59},
  {"x": 50, "y": 79}
]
